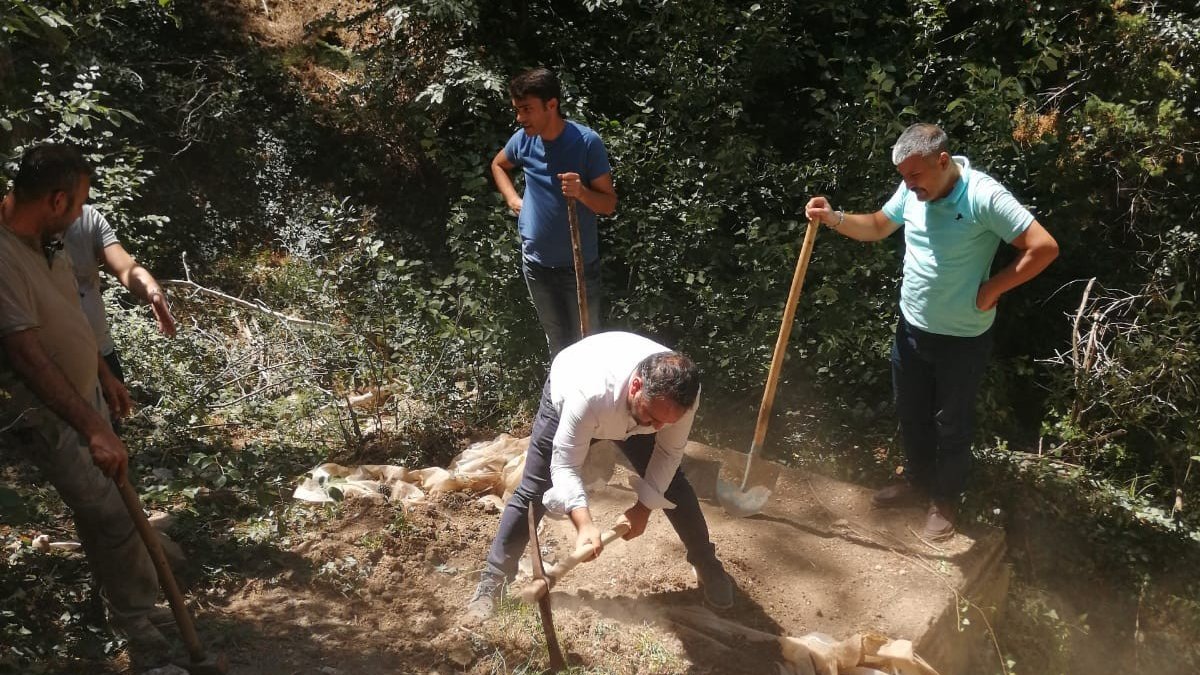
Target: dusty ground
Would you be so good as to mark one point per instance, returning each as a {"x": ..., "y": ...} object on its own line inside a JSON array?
[{"x": 375, "y": 591}]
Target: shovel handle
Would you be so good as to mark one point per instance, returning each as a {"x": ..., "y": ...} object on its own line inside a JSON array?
[
  {"x": 183, "y": 620},
  {"x": 785, "y": 331},
  {"x": 577, "y": 254}
]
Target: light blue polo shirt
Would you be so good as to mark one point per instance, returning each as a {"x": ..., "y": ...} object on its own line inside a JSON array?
[
  {"x": 949, "y": 247},
  {"x": 545, "y": 232}
]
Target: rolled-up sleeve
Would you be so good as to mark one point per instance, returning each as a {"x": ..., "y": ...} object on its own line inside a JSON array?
[
  {"x": 576, "y": 428},
  {"x": 669, "y": 443}
]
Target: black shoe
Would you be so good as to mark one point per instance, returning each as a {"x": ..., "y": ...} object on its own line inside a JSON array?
[
  {"x": 716, "y": 584},
  {"x": 483, "y": 603},
  {"x": 900, "y": 494}
]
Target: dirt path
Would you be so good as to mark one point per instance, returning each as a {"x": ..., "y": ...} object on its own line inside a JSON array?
[{"x": 373, "y": 593}]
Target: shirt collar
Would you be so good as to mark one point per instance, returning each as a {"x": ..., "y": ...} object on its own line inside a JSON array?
[{"x": 960, "y": 185}]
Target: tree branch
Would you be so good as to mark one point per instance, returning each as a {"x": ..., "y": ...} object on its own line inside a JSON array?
[{"x": 187, "y": 283}]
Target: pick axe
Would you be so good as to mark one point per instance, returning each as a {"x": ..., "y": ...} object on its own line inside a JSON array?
[
  {"x": 544, "y": 580},
  {"x": 540, "y": 588},
  {"x": 557, "y": 662}
]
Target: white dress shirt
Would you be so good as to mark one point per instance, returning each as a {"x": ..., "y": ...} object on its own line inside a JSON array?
[{"x": 589, "y": 387}]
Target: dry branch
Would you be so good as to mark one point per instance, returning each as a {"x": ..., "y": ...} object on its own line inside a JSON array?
[
  {"x": 1075, "y": 329},
  {"x": 16, "y": 420},
  {"x": 187, "y": 283}
]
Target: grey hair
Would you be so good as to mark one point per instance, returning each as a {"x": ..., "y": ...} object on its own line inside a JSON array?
[{"x": 925, "y": 140}]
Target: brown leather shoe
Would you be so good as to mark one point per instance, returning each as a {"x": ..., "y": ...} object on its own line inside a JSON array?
[
  {"x": 903, "y": 493},
  {"x": 939, "y": 520}
]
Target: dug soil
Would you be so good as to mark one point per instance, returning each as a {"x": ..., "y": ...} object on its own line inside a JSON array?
[{"x": 377, "y": 590}]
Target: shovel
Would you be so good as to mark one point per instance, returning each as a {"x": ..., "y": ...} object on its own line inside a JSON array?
[{"x": 740, "y": 502}]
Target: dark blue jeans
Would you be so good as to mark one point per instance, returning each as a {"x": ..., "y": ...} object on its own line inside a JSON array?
[
  {"x": 513, "y": 536},
  {"x": 552, "y": 290},
  {"x": 935, "y": 379}
]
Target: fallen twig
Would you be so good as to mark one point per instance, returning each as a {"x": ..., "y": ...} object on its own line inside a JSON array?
[
  {"x": 256, "y": 392},
  {"x": 16, "y": 420},
  {"x": 187, "y": 283},
  {"x": 925, "y": 541}
]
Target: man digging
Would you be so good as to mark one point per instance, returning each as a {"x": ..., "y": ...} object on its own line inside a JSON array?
[{"x": 631, "y": 390}]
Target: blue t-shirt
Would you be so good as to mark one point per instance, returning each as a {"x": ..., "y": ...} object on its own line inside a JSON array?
[
  {"x": 545, "y": 231},
  {"x": 949, "y": 247}
]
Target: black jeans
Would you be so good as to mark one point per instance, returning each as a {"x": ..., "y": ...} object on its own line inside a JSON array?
[
  {"x": 935, "y": 379},
  {"x": 552, "y": 290},
  {"x": 510, "y": 541}
]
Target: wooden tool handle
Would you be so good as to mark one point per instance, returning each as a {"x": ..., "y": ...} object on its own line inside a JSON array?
[
  {"x": 535, "y": 590},
  {"x": 557, "y": 661},
  {"x": 585, "y": 553},
  {"x": 183, "y": 620},
  {"x": 785, "y": 331},
  {"x": 580, "y": 282}
]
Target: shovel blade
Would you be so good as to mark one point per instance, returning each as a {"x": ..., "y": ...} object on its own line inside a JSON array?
[{"x": 741, "y": 504}]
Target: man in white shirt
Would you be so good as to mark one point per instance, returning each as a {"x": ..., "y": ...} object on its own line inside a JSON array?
[
  {"x": 91, "y": 242},
  {"x": 609, "y": 386}
]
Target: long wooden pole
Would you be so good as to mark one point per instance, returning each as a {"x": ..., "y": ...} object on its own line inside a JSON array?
[
  {"x": 183, "y": 620},
  {"x": 580, "y": 282},
  {"x": 785, "y": 331},
  {"x": 557, "y": 661}
]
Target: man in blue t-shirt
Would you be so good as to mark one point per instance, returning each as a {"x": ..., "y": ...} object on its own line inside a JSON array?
[
  {"x": 561, "y": 160},
  {"x": 954, "y": 219}
]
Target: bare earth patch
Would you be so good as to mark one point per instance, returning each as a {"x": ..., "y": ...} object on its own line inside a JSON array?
[{"x": 379, "y": 592}]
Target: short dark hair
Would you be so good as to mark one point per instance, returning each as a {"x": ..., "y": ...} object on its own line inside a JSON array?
[
  {"x": 49, "y": 168},
  {"x": 670, "y": 375},
  {"x": 539, "y": 82}
]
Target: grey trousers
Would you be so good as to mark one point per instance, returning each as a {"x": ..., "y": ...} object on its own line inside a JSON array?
[{"x": 115, "y": 551}]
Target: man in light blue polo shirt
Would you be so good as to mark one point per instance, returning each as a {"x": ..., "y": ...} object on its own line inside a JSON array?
[
  {"x": 954, "y": 219},
  {"x": 561, "y": 160}
]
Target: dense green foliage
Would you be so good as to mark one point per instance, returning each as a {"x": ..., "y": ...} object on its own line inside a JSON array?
[{"x": 360, "y": 199}]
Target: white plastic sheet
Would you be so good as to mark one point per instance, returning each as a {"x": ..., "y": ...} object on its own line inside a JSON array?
[{"x": 490, "y": 469}]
